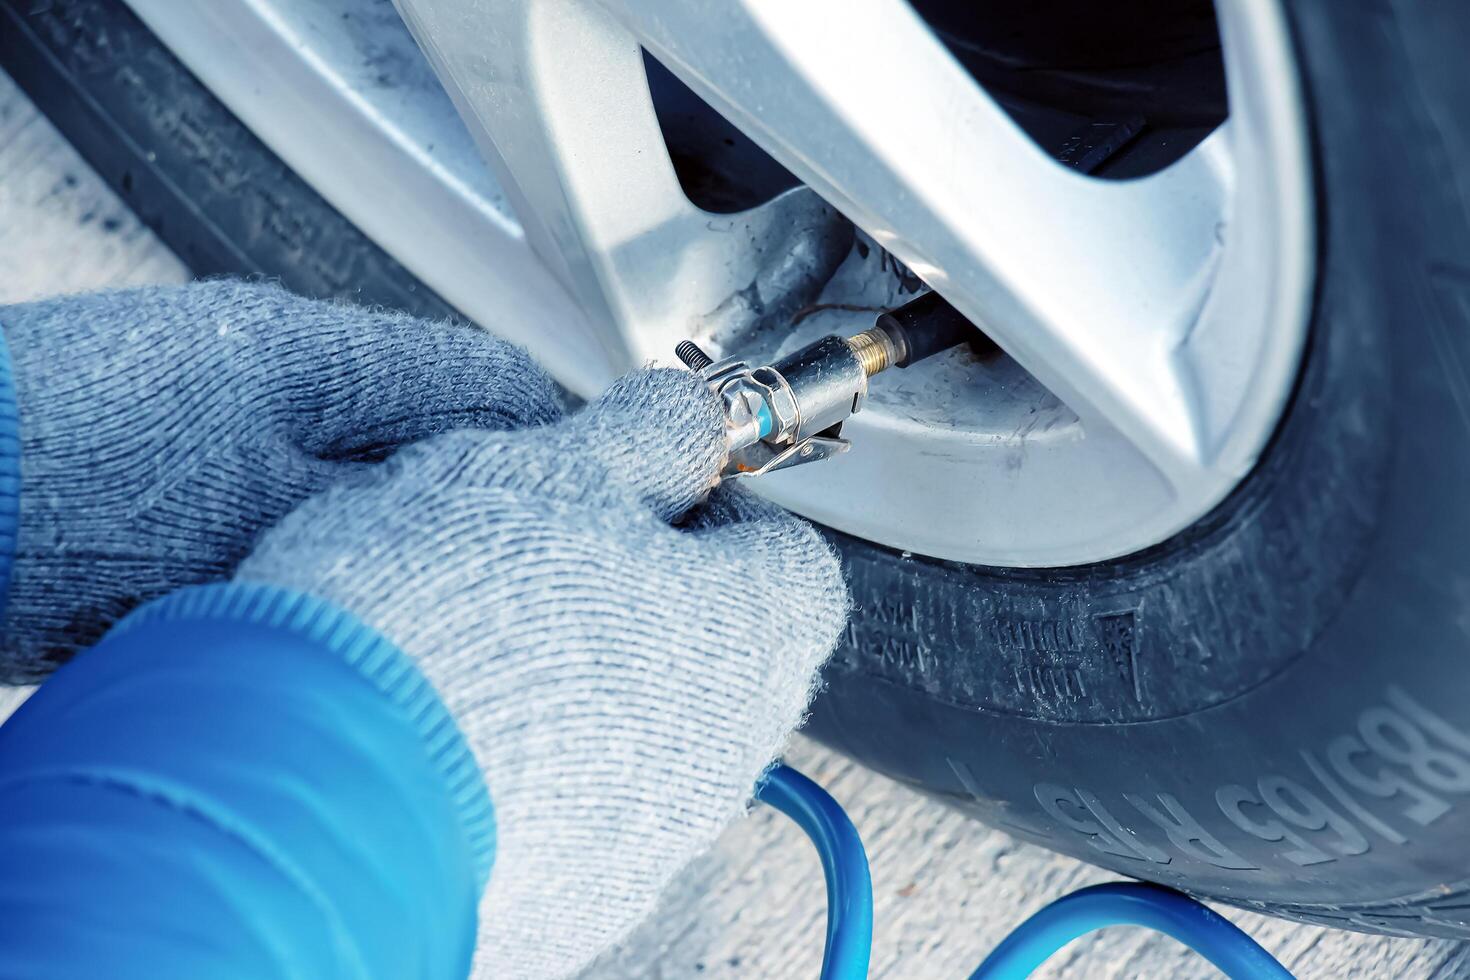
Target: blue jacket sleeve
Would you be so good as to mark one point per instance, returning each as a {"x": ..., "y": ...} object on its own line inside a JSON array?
[{"x": 239, "y": 781}]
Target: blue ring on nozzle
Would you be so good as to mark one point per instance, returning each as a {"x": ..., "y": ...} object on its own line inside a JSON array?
[{"x": 764, "y": 420}]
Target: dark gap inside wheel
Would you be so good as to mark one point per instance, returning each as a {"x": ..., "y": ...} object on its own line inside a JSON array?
[
  {"x": 719, "y": 168},
  {"x": 1115, "y": 90}
]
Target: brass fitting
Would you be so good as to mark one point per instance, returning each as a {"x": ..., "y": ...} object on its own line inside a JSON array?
[{"x": 876, "y": 350}]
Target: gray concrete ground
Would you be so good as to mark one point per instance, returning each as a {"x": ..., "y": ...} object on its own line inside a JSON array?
[{"x": 947, "y": 889}]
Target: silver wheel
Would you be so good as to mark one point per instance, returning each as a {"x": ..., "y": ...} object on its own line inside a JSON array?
[{"x": 1152, "y": 327}]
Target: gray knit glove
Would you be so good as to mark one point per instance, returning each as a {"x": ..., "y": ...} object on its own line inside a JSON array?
[
  {"x": 623, "y": 676},
  {"x": 162, "y": 429}
]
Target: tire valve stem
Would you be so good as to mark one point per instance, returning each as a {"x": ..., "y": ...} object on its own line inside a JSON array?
[
  {"x": 789, "y": 412},
  {"x": 875, "y": 350}
]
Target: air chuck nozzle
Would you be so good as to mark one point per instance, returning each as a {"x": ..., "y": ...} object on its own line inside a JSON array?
[{"x": 791, "y": 411}]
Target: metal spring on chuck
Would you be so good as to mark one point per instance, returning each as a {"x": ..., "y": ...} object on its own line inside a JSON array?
[{"x": 694, "y": 358}]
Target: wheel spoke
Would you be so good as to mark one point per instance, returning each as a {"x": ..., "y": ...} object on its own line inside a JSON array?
[
  {"x": 557, "y": 94},
  {"x": 1091, "y": 285}
]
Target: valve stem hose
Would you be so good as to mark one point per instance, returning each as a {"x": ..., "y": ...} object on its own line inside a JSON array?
[{"x": 850, "y": 904}]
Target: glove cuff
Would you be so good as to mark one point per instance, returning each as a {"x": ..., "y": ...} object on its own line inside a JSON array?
[
  {"x": 9, "y": 470},
  {"x": 340, "y": 635}
]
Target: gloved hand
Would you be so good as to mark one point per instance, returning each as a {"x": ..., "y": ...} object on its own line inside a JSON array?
[
  {"x": 162, "y": 429},
  {"x": 622, "y": 671}
]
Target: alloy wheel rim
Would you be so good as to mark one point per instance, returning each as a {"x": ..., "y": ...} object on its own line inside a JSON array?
[{"x": 1153, "y": 328}]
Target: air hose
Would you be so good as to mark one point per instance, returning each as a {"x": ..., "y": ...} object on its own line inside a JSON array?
[{"x": 850, "y": 904}]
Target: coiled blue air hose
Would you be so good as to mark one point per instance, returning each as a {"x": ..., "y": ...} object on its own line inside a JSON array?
[{"x": 850, "y": 904}]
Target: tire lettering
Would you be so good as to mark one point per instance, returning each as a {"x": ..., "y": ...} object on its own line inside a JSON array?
[
  {"x": 1104, "y": 832},
  {"x": 1096, "y": 807},
  {"x": 1186, "y": 833},
  {"x": 1428, "y": 720},
  {"x": 1396, "y": 739},
  {"x": 1424, "y": 808},
  {"x": 1400, "y": 750},
  {"x": 1352, "y": 806},
  {"x": 1299, "y": 806},
  {"x": 1233, "y": 798}
]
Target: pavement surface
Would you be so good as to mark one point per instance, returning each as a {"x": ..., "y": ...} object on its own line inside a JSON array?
[{"x": 947, "y": 889}]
